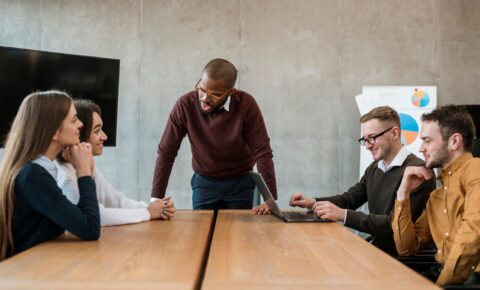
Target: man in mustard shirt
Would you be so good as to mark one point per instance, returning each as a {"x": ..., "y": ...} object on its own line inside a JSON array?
[{"x": 452, "y": 216}]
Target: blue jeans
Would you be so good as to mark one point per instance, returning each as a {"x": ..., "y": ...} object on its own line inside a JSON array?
[{"x": 215, "y": 193}]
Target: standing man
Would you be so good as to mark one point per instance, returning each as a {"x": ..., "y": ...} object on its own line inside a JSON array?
[
  {"x": 228, "y": 137},
  {"x": 378, "y": 186},
  {"x": 452, "y": 216}
]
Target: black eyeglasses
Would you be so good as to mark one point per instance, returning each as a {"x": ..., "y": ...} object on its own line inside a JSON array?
[{"x": 371, "y": 140}]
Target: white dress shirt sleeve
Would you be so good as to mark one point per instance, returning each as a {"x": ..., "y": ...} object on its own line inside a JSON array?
[{"x": 115, "y": 207}]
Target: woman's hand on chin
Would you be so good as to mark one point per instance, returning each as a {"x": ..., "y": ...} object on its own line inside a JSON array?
[{"x": 81, "y": 157}]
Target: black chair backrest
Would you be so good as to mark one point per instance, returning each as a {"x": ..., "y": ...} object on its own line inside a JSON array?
[
  {"x": 474, "y": 111},
  {"x": 476, "y": 147}
]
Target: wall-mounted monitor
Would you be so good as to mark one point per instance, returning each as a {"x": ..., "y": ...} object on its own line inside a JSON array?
[{"x": 23, "y": 71}]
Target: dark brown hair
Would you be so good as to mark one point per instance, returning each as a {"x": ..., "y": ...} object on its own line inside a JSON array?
[
  {"x": 221, "y": 69},
  {"x": 453, "y": 119},
  {"x": 384, "y": 114},
  {"x": 85, "y": 110}
]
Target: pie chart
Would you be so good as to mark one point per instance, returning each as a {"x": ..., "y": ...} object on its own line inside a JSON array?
[
  {"x": 420, "y": 98},
  {"x": 409, "y": 129}
]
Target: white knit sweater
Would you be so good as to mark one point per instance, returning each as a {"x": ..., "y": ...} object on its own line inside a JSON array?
[{"x": 115, "y": 207}]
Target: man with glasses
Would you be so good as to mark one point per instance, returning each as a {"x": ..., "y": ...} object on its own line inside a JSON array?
[
  {"x": 378, "y": 186},
  {"x": 228, "y": 137}
]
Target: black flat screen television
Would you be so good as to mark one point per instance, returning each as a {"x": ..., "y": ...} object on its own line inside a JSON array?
[{"x": 23, "y": 71}]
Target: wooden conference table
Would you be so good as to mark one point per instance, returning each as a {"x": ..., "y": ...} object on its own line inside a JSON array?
[
  {"x": 149, "y": 255},
  {"x": 262, "y": 252},
  {"x": 245, "y": 252}
]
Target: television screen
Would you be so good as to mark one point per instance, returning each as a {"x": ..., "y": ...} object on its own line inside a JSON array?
[
  {"x": 474, "y": 111},
  {"x": 23, "y": 71}
]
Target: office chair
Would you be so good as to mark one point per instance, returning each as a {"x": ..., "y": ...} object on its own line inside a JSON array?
[
  {"x": 476, "y": 147},
  {"x": 423, "y": 262}
]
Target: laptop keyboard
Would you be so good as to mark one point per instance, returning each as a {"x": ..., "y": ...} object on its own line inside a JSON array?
[
  {"x": 302, "y": 216},
  {"x": 295, "y": 215}
]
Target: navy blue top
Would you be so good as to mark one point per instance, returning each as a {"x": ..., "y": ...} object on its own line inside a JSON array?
[{"x": 42, "y": 212}]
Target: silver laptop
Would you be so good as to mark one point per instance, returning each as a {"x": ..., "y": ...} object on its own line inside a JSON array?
[{"x": 289, "y": 217}]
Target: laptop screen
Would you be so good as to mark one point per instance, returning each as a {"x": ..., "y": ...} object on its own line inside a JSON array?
[{"x": 266, "y": 194}]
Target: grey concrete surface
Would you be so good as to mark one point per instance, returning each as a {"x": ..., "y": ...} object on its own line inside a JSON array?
[{"x": 303, "y": 61}]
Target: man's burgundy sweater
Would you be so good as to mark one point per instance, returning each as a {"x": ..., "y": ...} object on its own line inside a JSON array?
[{"x": 224, "y": 144}]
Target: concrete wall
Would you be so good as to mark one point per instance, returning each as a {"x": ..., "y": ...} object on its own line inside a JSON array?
[{"x": 303, "y": 60}]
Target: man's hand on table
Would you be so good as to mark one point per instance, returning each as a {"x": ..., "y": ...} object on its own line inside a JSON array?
[{"x": 261, "y": 209}]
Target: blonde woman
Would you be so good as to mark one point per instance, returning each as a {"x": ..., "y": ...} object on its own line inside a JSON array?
[
  {"x": 32, "y": 206},
  {"x": 115, "y": 207}
]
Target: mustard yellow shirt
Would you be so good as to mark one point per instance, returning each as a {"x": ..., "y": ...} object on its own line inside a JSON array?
[{"x": 451, "y": 219}]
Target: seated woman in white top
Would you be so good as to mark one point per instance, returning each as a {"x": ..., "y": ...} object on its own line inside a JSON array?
[{"x": 115, "y": 208}]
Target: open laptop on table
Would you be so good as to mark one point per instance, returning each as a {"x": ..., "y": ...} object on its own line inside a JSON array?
[{"x": 289, "y": 217}]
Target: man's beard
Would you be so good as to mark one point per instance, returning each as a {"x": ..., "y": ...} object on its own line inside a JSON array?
[{"x": 439, "y": 159}]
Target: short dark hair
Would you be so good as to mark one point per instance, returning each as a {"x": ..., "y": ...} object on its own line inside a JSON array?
[
  {"x": 384, "y": 114},
  {"x": 221, "y": 69},
  {"x": 453, "y": 119},
  {"x": 85, "y": 110}
]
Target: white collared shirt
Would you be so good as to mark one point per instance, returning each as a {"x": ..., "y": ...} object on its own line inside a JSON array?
[
  {"x": 226, "y": 106},
  {"x": 48, "y": 165},
  {"x": 397, "y": 161},
  {"x": 57, "y": 173}
]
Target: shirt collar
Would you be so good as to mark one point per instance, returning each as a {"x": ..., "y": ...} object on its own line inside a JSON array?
[
  {"x": 47, "y": 164},
  {"x": 226, "y": 106},
  {"x": 397, "y": 161},
  {"x": 455, "y": 164}
]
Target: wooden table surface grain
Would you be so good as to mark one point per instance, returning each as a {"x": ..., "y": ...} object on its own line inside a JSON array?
[
  {"x": 263, "y": 252},
  {"x": 149, "y": 255}
]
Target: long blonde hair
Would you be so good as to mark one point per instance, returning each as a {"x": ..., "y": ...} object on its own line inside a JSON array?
[{"x": 40, "y": 115}]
